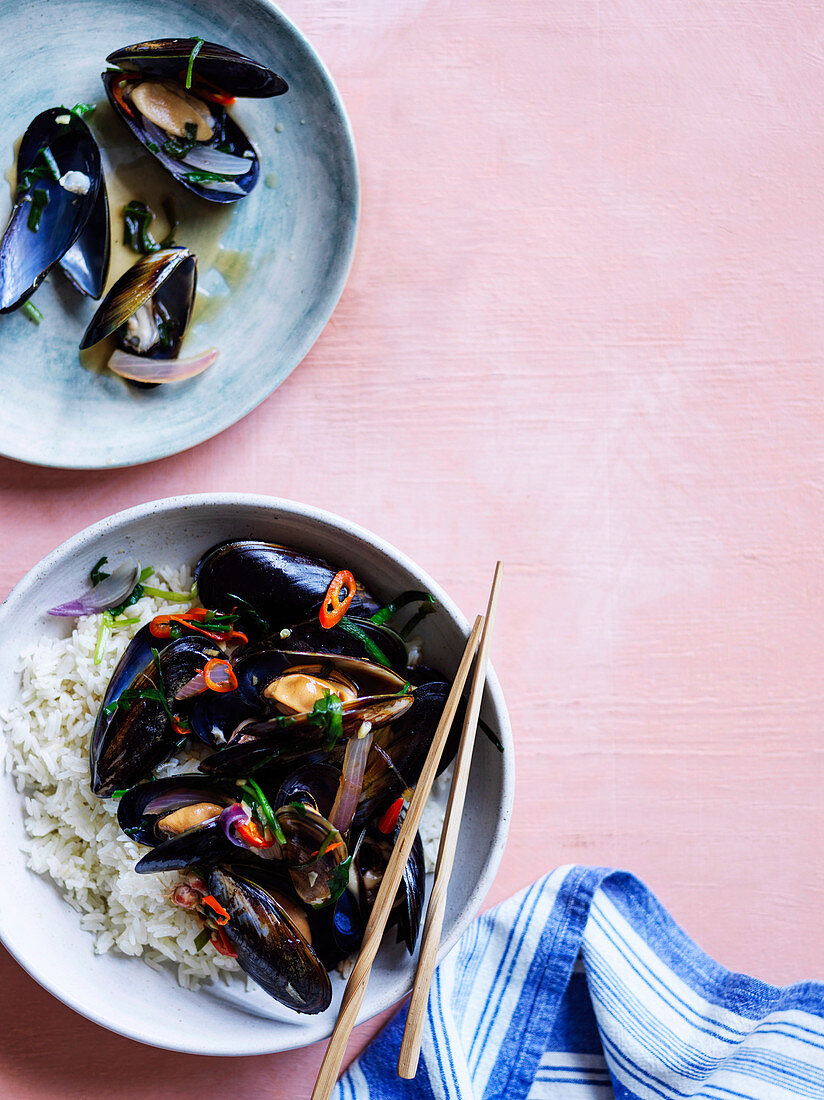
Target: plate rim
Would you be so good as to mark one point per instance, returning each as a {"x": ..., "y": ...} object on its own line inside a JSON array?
[
  {"x": 309, "y": 341},
  {"x": 156, "y": 508}
]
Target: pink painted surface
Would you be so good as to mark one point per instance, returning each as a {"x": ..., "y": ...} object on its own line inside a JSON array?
[{"x": 583, "y": 333}]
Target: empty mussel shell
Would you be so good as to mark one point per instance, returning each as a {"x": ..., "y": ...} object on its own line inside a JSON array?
[{"x": 59, "y": 178}]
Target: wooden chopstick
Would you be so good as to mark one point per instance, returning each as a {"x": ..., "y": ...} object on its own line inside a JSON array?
[
  {"x": 416, "y": 1017},
  {"x": 356, "y": 986}
]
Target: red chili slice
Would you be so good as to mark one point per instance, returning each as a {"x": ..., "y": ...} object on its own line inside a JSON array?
[
  {"x": 250, "y": 833},
  {"x": 219, "y": 676},
  {"x": 221, "y": 944},
  {"x": 335, "y": 605},
  {"x": 388, "y": 821},
  {"x": 161, "y": 626},
  {"x": 221, "y": 917}
]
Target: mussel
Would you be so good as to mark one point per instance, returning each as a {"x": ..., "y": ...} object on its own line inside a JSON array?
[
  {"x": 264, "y": 927},
  {"x": 147, "y": 312},
  {"x": 133, "y": 732},
  {"x": 270, "y": 587},
  {"x": 60, "y": 214},
  {"x": 172, "y": 94}
]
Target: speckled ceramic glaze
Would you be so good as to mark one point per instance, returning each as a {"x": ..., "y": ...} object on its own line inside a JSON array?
[{"x": 296, "y": 229}]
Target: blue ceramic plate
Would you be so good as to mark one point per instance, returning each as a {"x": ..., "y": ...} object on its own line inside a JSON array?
[{"x": 272, "y": 266}]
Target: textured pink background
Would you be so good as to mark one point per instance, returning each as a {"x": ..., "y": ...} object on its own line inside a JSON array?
[{"x": 583, "y": 333}]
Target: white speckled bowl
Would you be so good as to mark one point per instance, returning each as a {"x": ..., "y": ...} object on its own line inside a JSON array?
[
  {"x": 297, "y": 237},
  {"x": 43, "y": 932}
]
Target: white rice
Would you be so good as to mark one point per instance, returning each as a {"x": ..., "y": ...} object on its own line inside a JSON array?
[{"x": 73, "y": 835}]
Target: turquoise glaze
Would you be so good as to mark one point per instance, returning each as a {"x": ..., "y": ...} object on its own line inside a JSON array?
[{"x": 297, "y": 232}]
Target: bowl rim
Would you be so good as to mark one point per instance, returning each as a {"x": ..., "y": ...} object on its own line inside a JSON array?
[
  {"x": 155, "y": 509},
  {"x": 333, "y": 293}
]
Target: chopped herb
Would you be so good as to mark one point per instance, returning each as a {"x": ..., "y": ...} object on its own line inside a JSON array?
[
  {"x": 163, "y": 594},
  {"x": 104, "y": 631},
  {"x": 339, "y": 879},
  {"x": 206, "y": 177},
  {"x": 81, "y": 109},
  {"x": 392, "y": 608},
  {"x": 202, "y": 938},
  {"x": 31, "y": 312},
  {"x": 195, "y": 51},
  {"x": 39, "y": 198},
  {"x": 27, "y": 178},
  {"x": 119, "y": 794},
  {"x": 252, "y": 789},
  {"x": 51, "y": 163},
  {"x": 97, "y": 575},
  {"x": 178, "y": 147},
  {"x": 135, "y": 594},
  {"x": 152, "y": 146},
  {"x": 327, "y": 714},
  {"x": 371, "y": 647},
  {"x": 249, "y": 613},
  {"x": 298, "y": 806},
  {"x": 149, "y": 694},
  {"x": 137, "y": 217}
]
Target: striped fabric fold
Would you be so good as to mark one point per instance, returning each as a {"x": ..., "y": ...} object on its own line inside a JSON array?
[{"x": 582, "y": 987}]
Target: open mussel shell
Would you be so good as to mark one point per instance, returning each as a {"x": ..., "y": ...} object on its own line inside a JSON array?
[
  {"x": 270, "y": 949},
  {"x": 216, "y": 715},
  {"x": 228, "y": 154},
  {"x": 268, "y": 585},
  {"x": 205, "y": 846},
  {"x": 371, "y": 862},
  {"x": 138, "y": 735},
  {"x": 215, "y": 66},
  {"x": 141, "y": 810},
  {"x": 27, "y": 255},
  {"x": 86, "y": 264},
  {"x": 166, "y": 278},
  {"x": 314, "y": 784},
  {"x": 379, "y": 644},
  {"x": 313, "y": 852},
  {"x": 259, "y": 668},
  {"x": 399, "y": 753}
]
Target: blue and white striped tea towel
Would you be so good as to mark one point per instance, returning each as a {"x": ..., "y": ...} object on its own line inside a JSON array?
[{"x": 582, "y": 987}]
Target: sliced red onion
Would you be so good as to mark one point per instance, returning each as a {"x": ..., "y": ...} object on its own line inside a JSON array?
[
  {"x": 205, "y": 159},
  {"x": 195, "y": 686},
  {"x": 110, "y": 592},
  {"x": 140, "y": 369},
  {"x": 351, "y": 782},
  {"x": 231, "y": 816}
]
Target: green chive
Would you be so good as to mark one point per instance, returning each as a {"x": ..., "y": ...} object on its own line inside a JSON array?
[
  {"x": 97, "y": 575},
  {"x": 48, "y": 157},
  {"x": 195, "y": 51},
  {"x": 30, "y": 311},
  {"x": 39, "y": 198},
  {"x": 202, "y": 938}
]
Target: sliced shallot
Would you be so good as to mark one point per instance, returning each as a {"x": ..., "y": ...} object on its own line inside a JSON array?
[
  {"x": 351, "y": 781},
  {"x": 140, "y": 369},
  {"x": 110, "y": 592}
]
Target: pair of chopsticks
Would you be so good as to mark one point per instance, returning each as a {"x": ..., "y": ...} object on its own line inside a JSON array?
[{"x": 356, "y": 986}]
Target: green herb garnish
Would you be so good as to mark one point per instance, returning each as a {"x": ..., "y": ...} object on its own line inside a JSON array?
[
  {"x": 199, "y": 43},
  {"x": 81, "y": 109},
  {"x": 327, "y": 714},
  {"x": 202, "y": 938},
  {"x": 39, "y": 198},
  {"x": 178, "y": 147},
  {"x": 137, "y": 217},
  {"x": 31, "y": 312},
  {"x": 119, "y": 794},
  {"x": 371, "y": 647},
  {"x": 251, "y": 788},
  {"x": 339, "y": 879},
  {"x": 51, "y": 163},
  {"x": 396, "y": 605},
  {"x": 97, "y": 575},
  {"x": 206, "y": 177},
  {"x": 27, "y": 178},
  {"x": 152, "y": 146},
  {"x": 149, "y": 694}
]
